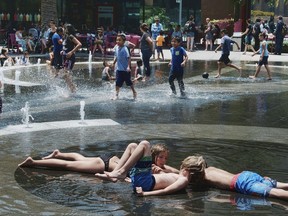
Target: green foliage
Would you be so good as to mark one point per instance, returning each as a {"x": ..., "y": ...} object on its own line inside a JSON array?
[
  {"x": 271, "y": 47},
  {"x": 151, "y": 12},
  {"x": 258, "y": 13}
]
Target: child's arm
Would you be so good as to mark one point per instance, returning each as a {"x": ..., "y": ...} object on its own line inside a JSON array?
[
  {"x": 185, "y": 60},
  {"x": 237, "y": 45},
  {"x": 220, "y": 45},
  {"x": 263, "y": 50},
  {"x": 180, "y": 184},
  {"x": 169, "y": 169},
  {"x": 256, "y": 52},
  {"x": 129, "y": 63},
  {"x": 77, "y": 47}
]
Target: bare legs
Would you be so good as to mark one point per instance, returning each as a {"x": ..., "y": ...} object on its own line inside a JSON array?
[
  {"x": 258, "y": 71},
  {"x": 208, "y": 42},
  {"x": 248, "y": 46},
  {"x": 221, "y": 65},
  {"x": 69, "y": 161},
  {"x": 118, "y": 89},
  {"x": 131, "y": 155}
]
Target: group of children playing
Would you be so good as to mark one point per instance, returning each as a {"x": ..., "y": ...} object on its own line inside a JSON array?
[
  {"x": 224, "y": 59},
  {"x": 145, "y": 167},
  {"x": 122, "y": 63},
  {"x": 178, "y": 61}
]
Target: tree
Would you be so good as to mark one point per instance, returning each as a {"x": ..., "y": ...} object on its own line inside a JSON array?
[{"x": 49, "y": 11}]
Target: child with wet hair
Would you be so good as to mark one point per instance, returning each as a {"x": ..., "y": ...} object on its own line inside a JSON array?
[
  {"x": 160, "y": 154},
  {"x": 246, "y": 182}
]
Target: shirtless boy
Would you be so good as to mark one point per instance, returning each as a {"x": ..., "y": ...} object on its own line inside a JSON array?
[
  {"x": 137, "y": 159},
  {"x": 246, "y": 182}
]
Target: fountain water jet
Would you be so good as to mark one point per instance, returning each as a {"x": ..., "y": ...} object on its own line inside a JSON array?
[
  {"x": 17, "y": 87},
  {"x": 82, "y": 112},
  {"x": 26, "y": 116}
]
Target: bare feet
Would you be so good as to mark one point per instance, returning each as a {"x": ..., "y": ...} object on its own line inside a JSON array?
[
  {"x": 115, "y": 97},
  {"x": 113, "y": 176},
  {"x": 27, "y": 162},
  {"x": 218, "y": 76},
  {"x": 252, "y": 77},
  {"x": 240, "y": 71},
  {"x": 52, "y": 155},
  {"x": 134, "y": 95}
]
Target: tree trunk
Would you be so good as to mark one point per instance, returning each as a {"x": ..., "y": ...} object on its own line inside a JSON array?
[{"x": 49, "y": 11}]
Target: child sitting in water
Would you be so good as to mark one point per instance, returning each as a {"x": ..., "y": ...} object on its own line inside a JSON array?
[
  {"x": 25, "y": 58},
  {"x": 106, "y": 73},
  {"x": 4, "y": 57}
]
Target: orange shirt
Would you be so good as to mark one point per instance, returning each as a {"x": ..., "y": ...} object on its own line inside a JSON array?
[{"x": 160, "y": 40}]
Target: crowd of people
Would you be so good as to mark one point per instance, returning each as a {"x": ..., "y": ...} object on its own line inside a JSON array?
[{"x": 63, "y": 44}]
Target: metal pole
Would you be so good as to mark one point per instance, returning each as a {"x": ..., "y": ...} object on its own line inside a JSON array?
[
  {"x": 143, "y": 10},
  {"x": 180, "y": 12}
]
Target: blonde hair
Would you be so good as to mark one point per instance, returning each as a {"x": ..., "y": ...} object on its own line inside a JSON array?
[
  {"x": 157, "y": 149},
  {"x": 196, "y": 166}
]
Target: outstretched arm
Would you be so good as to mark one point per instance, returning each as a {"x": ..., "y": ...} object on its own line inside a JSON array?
[{"x": 180, "y": 184}]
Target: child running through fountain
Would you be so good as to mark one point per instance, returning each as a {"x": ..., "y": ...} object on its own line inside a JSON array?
[
  {"x": 138, "y": 160},
  {"x": 123, "y": 71},
  {"x": 177, "y": 64},
  {"x": 226, "y": 42},
  {"x": 263, "y": 60},
  {"x": 246, "y": 182},
  {"x": 70, "y": 46}
]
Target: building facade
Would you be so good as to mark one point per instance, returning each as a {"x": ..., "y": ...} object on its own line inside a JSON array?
[{"x": 124, "y": 15}]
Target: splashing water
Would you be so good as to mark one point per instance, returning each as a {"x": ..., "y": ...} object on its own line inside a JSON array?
[
  {"x": 25, "y": 114},
  {"x": 82, "y": 112}
]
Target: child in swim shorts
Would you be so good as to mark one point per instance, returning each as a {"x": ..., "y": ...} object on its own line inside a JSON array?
[{"x": 252, "y": 183}]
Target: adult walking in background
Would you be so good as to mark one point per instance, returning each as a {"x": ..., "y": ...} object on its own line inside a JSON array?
[
  {"x": 279, "y": 36},
  {"x": 256, "y": 32},
  {"x": 146, "y": 46},
  {"x": 208, "y": 35},
  {"x": 189, "y": 30},
  {"x": 248, "y": 37},
  {"x": 156, "y": 27}
]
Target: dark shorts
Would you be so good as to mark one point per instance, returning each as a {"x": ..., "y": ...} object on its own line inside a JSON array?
[
  {"x": 225, "y": 59},
  {"x": 106, "y": 158},
  {"x": 159, "y": 49},
  {"x": 248, "y": 39},
  {"x": 264, "y": 61},
  {"x": 57, "y": 60},
  {"x": 69, "y": 63},
  {"x": 123, "y": 76},
  {"x": 253, "y": 184},
  {"x": 141, "y": 174}
]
